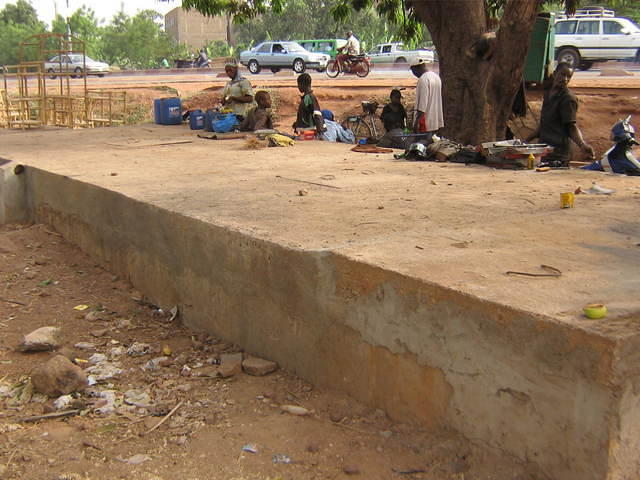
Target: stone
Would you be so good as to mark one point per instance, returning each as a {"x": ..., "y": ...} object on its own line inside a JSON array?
[
  {"x": 294, "y": 410},
  {"x": 313, "y": 447},
  {"x": 85, "y": 346},
  {"x": 230, "y": 364},
  {"x": 258, "y": 367},
  {"x": 96, "y": 315},
  {"x": 43, "y": 339},
  {"x": 351, "y": 470},
  {"x": 58, "y": 377},
  {"x": 99, "y": 332}
]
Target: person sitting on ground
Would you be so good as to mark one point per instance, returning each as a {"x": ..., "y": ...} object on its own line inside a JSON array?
[
  {"x": 558, "y": 120},
  {"x": 393, "y": 115},
  {"x": 351, "y": 49},
  {"x": 336, "y": 132},
  {"x": 394, "y": 119},
  {"x": 258, "y": 118},
  {"x": 309, "y": 114},
  {"x": 237, "y": 94}
]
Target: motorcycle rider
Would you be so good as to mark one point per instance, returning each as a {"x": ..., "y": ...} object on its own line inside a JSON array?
[
  {"x": 351, "y": 49},
  {"x": 203, "y": 59}
]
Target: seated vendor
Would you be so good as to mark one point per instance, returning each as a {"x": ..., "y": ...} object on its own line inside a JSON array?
[
  {"x": 237, "y": 94},
  {"x": 258, "y": 118},
  {"x": 558, "y": 120}
]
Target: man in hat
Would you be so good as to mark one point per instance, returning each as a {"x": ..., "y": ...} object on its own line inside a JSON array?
[
  {"x": 428, "y": 116},
  {"x": 558, "y": 120},
  {"x": 237, "y": 94}
]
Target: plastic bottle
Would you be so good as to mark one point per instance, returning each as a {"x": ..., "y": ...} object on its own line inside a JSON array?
[{"x": 531, "y": 161}]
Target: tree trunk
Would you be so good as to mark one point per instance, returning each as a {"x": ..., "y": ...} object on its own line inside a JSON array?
[{"x": 478, "y": 93}]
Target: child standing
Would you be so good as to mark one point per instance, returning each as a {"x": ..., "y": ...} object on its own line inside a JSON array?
[{"x": 309, "y": 113}]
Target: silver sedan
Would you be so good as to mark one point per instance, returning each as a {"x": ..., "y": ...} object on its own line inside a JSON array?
[
  {"x": 75, "y": 64},
  {"x": 279, "y": 55}
]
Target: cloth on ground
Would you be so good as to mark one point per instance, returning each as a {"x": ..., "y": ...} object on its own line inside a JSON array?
[
  {"x": 370, "y": 149},
  {"x": 277, "y": 140}
]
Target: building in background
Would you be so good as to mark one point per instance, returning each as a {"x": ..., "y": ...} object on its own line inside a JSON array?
[{"x": 196, "y": 30}]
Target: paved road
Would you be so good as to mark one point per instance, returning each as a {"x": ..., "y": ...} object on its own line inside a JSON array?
[{"x": 377, "y": 74}]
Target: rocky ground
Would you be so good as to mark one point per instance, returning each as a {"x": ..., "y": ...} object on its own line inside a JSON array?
[{"x": 146, "y": 398}]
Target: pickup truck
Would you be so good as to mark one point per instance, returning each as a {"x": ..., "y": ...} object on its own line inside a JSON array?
[{"x": 395, "y": 53}]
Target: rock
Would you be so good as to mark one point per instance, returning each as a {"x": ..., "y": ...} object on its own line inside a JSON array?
[
  {"x": 43, "y": 339},
  {"x": 84, "y": 346},
  {"x": 58, "y": 377},
  {"x": 294, "y": 410},
  {"x": 313, "y": 447},
  {"x": 138, "y": 349},
  {"x": 386, "y": 433},
  {"x": 230, "y": 364},
  {"x": 68, "y": 352},
  {"x": 99, "y": 332},
  {"x": 96, "y": 315},
  {"x": 258, "y": 367},
  {"x": 336, "y": 417},
  {"x": 351, "y": 470},
  {"x": 210, "y": 372}
]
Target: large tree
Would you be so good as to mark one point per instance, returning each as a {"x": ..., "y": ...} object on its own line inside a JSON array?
[{"x": 478, "y": 85}]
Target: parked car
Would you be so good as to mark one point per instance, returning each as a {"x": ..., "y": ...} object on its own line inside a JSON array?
[
  {"x": 76, "y": 64},
  {"x": 326, "y": 45},
  {"x": 279, "y": 55},
  {"x": 595, "y": 34},
  {"x": 395, "y": 53}
]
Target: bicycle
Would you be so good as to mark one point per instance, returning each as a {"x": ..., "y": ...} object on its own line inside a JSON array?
[{"x": 368, "y": 125}]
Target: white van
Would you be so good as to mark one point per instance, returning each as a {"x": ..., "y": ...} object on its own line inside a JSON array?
[{"x": 595, "y": 34}]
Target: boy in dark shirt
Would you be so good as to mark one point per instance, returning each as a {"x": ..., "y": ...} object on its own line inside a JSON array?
[
  {"x": 309, "y": 113},
  {"x": 258, "y": 118},
  {"x": 558, "y": 120},
  {"x": 393, "y": 114}
]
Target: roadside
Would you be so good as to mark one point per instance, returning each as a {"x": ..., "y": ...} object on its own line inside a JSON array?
[{"x": 225, "y": 428}]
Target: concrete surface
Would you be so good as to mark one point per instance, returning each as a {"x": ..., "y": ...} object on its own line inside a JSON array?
[{"x": 391, "y": 285}]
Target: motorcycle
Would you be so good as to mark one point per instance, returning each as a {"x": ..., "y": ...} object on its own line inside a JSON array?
[
  {"x": 620, "y": 157},
  {"x": 359, "y": 65}
]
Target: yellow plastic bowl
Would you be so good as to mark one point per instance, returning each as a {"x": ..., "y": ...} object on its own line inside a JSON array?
[{"x": 595, "y": 310}]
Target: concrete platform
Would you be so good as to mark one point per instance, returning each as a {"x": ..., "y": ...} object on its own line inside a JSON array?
[{"x": 387, "y": 281}]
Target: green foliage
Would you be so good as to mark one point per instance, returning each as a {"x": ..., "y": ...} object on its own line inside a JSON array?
[
  {"x": 136, "y": 42},
  {"x": 307, "y": 19},
  {"x": 17, "y": 22},
  {"x": 84, "y": 25}
]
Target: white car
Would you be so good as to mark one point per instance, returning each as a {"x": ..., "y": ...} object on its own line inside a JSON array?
[
  {"x": 76, "y": 64},
  {"x": 595, "y": 34},
  {"x": 278, "y": 55},
  {"x": 395, "y": 53}
]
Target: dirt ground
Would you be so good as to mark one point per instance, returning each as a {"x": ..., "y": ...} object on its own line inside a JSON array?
[
  {"x": 204, "y": 438},
  {"x": 44, "y": 278},
  {"x": 603, "y": 101}
]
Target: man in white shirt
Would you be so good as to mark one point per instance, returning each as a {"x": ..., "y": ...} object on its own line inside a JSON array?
[
  {"x": 428, "y": 116},
  {"x": 351, "y": 49}
]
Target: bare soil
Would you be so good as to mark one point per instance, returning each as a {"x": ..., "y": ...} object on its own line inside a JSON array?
[{"x": 44, "y": 278}]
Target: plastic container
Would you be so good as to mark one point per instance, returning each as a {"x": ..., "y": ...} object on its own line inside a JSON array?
[
  {"x": 167, "y": 111},
  {"x": 196, "y": 120},
  {"x": 209, "y": 117},
  {"x": 309, "y": 135}
]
